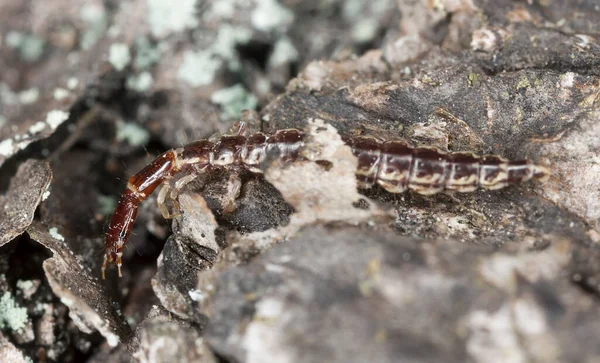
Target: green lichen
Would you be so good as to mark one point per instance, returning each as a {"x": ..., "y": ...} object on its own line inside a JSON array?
[
  {"x": 365, "y": 30},
  {"x": 60, "y": 94},
  {"x": 474, "y": 79},
  {"x": 430, "y": 81},
  {"x": 518, "y": 115},
  {"x": 95, "y": 21},
  {"x": 227, "y": 39},
  {"x": 6, "y": 147},
  {"x": 146, "y": 53},
  {"x": 119, "y": 56},
  {"x": 364, "y": 15},
  {"x": 29, "y": 96},
  {"x": 7, "y": 96},
  {"x": 14, "y": 39},
  {"x": 166, "y": 16},
  {"x": 233, "y": 101},
  {"x": 523, "y": 82},
  {"x": 106, "y": 204},
  {"x": 24, "y": 284},
  {"x": 55, "y": 118},
  {"x": 32, "y": 48},
  {"x": 140, "y": 83},
  {"x": 356, "y": 9},
  {"x": 284, "y": 52},
  {"x": 45, "y": 195},
  {"x": 270, "y": 15},
  {"x": 132, "y": 133},
  {"x": 262, "y": 86},
  {"x": 352, "y": 9},
  {"x": 55, "y": 234},
  {"x": 72, "y": 83},
  {"x": 29, "y": 46},
  {"x": 12, "y": 316},
  {"x": 37, "y": 127},
  {"x": 223, "y": 9},
  {"x": 199, "y": 68}
]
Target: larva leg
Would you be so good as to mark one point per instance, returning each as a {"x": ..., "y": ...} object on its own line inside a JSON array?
[
  {"x": 161, "y": 201},
  {"x": 172, "y": 193},
  {"x": 239, "y": 128},
  {"x": 214, "y": 138},
  {"x": 452, "y": 195},
  {"x": 232, "y": 192},
  {"x": 179, "y": 184}
]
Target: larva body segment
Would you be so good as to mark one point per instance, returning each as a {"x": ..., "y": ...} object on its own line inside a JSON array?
[
  {"x": 398, "y": 167},
  {"x": 393, "y": 173},
  {"x": 394, "y": 165}
]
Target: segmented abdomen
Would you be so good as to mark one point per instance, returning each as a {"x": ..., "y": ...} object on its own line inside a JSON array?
[{"x": 397, "y": 167}]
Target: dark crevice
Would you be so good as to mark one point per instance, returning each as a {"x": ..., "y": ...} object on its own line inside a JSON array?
[{"x": 255, "y": 51}]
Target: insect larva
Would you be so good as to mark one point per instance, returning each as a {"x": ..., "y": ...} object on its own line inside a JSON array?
[
  {"x": 394, "y": 165},
  {"x": 397, "y": 167}
]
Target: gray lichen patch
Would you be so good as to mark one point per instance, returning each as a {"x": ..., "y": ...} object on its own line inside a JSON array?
[{"x": 24, "y": 194}]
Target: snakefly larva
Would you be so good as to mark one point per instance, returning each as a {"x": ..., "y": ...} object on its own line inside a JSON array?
[{"x": 394, "y": 165}]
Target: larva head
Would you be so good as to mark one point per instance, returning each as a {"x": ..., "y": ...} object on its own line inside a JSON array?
[
  {"x": 120, "y": 228},
  {"x": 112, "y": 257}
]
